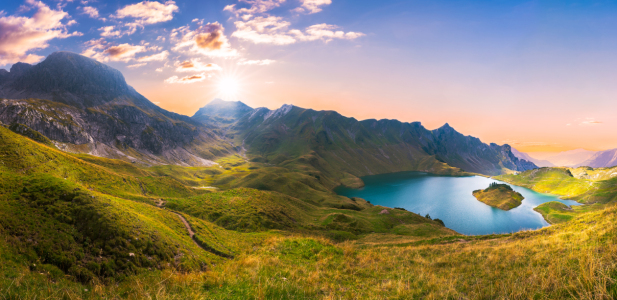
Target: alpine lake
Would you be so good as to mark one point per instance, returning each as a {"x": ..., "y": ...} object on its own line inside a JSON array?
[{"x": 450, "y": 199}]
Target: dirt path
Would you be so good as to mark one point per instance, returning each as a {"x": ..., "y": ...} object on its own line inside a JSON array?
[{"x": 188, "y": 227}]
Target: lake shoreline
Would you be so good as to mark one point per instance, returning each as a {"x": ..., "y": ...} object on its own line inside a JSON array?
[{"x": 450, "y": 199}]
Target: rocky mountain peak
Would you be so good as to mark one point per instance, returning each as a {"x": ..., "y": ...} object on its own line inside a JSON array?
[
  {"x": 69, "y": 78},
  {"x": 19, "y": 69}
]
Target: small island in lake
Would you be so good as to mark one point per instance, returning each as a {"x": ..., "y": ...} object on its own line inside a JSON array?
[{"x": 498, "y": 195}]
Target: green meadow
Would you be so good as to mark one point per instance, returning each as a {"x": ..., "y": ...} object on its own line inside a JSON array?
[{"x": 75, "y": 226}]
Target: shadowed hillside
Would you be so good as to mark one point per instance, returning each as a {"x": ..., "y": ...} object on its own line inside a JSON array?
[
  {"x": 290, "y": 134},
  {"x": 85, "y": 106}
]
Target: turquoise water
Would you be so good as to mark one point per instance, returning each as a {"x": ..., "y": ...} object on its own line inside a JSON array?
[{"x": 450, "y": 199}]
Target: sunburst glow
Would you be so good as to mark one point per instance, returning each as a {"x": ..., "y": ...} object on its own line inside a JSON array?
[{"x": 228, "y": 88}]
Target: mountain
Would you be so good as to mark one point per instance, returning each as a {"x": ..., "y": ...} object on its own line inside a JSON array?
[
  {"x": 601, "y": 159},
  {"x": 537, "y": 162},
  {"x": 221, "y": 112},
  {"x": 85, "y": 106},
  {"x": 570, "y": 158},
  {"x": 326, "y": 139}
]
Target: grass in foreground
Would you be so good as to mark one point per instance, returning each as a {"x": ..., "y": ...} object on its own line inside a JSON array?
[
  {"x": 573, "y": 260},
  {"x": 398, "y": 255}
]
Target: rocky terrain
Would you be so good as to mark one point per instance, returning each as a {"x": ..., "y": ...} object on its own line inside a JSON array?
[{"x": 85, "y": 106}]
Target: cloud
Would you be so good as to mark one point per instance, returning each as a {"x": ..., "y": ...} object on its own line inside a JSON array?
[
  {"x": 91, "y": 11},
  {"x": 208, "y": 40},
  {"x": 263, "y": 62},
  {"x": 253, "y": 24},
  {"x": 273, "y": 30},
  {"x": 136, "y": 65},
  {"x": 196, "y": 65},
  {"x": 187, "y": 79},
  {"x": 264, "y": 30},
  {"x": 589, "y": 122},
  {"x": 148, "y": 12},
  {"x": 256, "y": 6},
  {"x": 123, "y": 52},
  {"x": 19, "y": 35},
  {"x": 108, "y": 31},
  {"x": 104, "y": 51},
  {"x": 312, "y": 6},
  {"x": 324, "y": 32},
  {"x": 155, "y": 57}
]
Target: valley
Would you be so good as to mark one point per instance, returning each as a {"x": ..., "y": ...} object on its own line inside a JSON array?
[{"x": 105, "y": 195}]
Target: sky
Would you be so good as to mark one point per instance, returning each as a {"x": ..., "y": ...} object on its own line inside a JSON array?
[{"x": 538, "y": 75}]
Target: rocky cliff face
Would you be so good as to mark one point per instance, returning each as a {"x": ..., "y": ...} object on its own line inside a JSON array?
[
  {"x": 67, "y": 78},
  {"x": 86, "y": 106},
  {"x": 469, "y": 153}
]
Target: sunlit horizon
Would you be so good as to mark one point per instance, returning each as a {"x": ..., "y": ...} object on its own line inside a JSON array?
[{"x": 537, "y": 76}]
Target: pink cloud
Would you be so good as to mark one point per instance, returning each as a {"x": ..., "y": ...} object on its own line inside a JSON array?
[
  {"x": 104, "y": 51},
  {"x": 19, "y": 35},
  {"x": 187, "y": 79},
  {"x": 208, "y": 40},
  {"x": 110, "y": 31},
  {"x": 196, "y": 65},
  {"x": 148, "y": 12},
  {"x": 91, "y": 11},
  {"x": 590, "y": 122}
]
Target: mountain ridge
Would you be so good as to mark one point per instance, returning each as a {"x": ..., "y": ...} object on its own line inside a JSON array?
[
  {"x": 601, "y": 159},
  {"x": 86, "y": 106},
  {"x": 329, "y": 134},
  {"x": 527, "y": 157}
]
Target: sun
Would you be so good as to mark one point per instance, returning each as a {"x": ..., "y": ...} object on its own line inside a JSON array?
[{"x": 228, "y": 88}]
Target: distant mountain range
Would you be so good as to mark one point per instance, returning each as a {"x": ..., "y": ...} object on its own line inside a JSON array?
[
  {"x": 601, "y": 159},
  {"x": 537, "y": 162},
  {"x": 574, "y": 158},
  {"x": 84, "y": 106}
]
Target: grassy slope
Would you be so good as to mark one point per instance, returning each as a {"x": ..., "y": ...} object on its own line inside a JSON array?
[
  {"x": 561, "y": 181},
  {"x": 597, "y": 174},
  {"x": 573, "y": 260},
  {"x": 84, "y": 216},
  {"x": 78, "y": 218},
  {"x": 555, "y": 212},
  {"x": 501, "y": 197},
  {"x": 274, "y": 253},
  {"x": 596, "y": 188}
]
